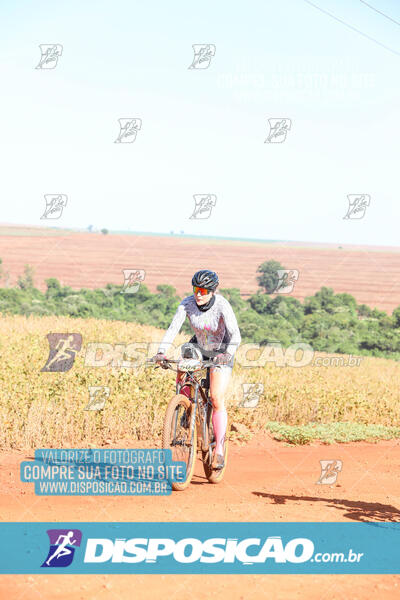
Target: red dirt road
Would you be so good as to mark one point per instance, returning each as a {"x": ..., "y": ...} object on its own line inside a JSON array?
[
  {"x": 371, "y": 275},
  {"x": 265, "y": 481}
]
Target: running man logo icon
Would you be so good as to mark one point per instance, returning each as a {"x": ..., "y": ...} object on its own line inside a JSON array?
[
  {"x": 55, "y": 203},
  {"x": 357, "y": 205},
  {"x": 50, "y": 55},
  {"x": 63, "y": 543},
  {"x": 203, "y": 205},
  {"x": 62, "y": 351},
  {"x": 329, "y": 471},
  {"x": 128, "y": 129},
  {"x": 278, "y": 129},
  {"x": 203, "y": 54},
  {"x": 132, "y": 280}
]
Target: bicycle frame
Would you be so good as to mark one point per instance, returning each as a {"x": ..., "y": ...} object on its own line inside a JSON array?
[{"x": 191, "y": 380}]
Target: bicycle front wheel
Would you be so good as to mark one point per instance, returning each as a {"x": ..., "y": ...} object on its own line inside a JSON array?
[{"x": 177, "y": 438}]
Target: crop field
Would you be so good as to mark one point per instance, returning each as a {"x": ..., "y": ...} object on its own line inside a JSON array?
[
  {"x": 371, "y": 275},
  {"x": 47, "y": 409}
]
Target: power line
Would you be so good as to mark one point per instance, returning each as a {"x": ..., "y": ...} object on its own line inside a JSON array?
[
  {"x": 353, "y": 28},
  {"x": 380, "y": 12}
]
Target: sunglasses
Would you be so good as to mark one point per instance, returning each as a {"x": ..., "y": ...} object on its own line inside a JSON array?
[{"x": 201, "y": 291}]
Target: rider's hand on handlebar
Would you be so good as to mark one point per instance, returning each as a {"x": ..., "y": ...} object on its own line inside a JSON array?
[
  {"x": 160, "y": 359},
  {"x": 223, "y": 358}
]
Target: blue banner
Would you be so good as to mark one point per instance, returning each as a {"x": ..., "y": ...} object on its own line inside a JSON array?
[
  {"x": 103, "y": 472},
  {"x": 200, "y": 548}
]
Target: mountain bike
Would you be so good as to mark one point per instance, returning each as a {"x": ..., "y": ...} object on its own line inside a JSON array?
[{"x": 188, "y": 425}]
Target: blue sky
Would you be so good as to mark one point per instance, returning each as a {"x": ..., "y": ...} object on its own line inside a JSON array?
[{"x": 203, "y": 131}]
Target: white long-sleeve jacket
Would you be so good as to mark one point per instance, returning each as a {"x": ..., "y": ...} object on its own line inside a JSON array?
[{"x": 215, "y": 327}]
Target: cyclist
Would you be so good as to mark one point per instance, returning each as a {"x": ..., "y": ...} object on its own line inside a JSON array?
[{"x": 217, "y": 336}]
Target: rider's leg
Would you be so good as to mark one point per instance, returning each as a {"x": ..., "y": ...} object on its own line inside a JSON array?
[{"x": 219, "y": 380}]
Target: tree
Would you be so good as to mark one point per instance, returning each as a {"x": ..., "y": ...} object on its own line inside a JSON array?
[
  {"x": 325, "y": 300},
  {"x": 234, "y": 298},
  {"x": 396, "y": 316},
  {"x": 167, "y": 290},
  {"x": 364, "y": 310},
  {"x": 4, "y": 274},
  {"x": 259, "y": 302},
  {"x": 53, "y": 288},
  {"x": 269, "y": 276},
  {"x": 25, "y": 281},
  {"x": 104, "y": 231}
]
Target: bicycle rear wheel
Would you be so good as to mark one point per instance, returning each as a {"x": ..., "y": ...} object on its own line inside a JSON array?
[
  {"x": 213, "y": 475},
  {"x": 176, "y": 436}
]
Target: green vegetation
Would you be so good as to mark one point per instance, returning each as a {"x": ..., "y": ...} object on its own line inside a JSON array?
[
  {"x": 327, "y": 321},
  {"x": 329, "y": 433}
]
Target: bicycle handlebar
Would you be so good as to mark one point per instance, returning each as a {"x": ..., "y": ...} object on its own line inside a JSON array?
[{"x": 204, "y": 363}]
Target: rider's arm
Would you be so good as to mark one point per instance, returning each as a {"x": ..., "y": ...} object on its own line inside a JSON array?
[
  {"x": 173, "y": 329},
  {"x": 232, "y": 328}
]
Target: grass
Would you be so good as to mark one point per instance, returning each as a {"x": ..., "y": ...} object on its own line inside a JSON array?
[
  {"x": 330, "y": 433},
  {"x": 39, "y": 409}
]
